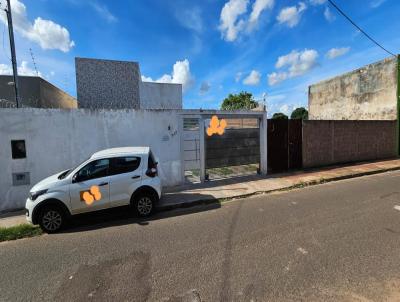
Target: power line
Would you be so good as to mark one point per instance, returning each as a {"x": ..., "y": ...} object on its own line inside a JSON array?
[{"x": 358, "y": 27}]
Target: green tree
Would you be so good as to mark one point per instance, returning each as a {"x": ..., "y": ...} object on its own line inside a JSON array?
[
  {"x": 279, "y": 116},
  {"x": 243, "y": 100},
  {"x": 300, "y": 113}
]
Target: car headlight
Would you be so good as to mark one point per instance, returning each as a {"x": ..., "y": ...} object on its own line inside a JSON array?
[{"x": 34, "y": 195}]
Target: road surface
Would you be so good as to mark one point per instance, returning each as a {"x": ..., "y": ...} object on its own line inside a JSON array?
[{"x": 334, "y": 242}]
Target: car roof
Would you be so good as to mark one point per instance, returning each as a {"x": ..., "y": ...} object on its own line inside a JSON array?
[{"x": 121, "y": 151}]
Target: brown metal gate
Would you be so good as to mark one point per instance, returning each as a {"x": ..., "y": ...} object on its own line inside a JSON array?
[{"x": 284, "y": 145}]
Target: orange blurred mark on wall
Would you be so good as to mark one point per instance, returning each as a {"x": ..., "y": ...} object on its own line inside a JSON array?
[{"x": 216, "y": 126}]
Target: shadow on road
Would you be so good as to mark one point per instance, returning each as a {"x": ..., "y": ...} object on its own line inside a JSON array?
[{"x": 125, "y": 215}]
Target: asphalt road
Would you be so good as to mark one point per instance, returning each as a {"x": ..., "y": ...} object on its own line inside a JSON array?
[{"x": 333, "y": 242}]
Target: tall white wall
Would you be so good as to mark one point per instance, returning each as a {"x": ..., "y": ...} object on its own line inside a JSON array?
[
  {"x": 60, "y": 139},
  {"x": 160, "y": 95}
]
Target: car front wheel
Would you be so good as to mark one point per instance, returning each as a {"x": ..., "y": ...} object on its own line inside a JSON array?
[{"x": 52, "y": 219}]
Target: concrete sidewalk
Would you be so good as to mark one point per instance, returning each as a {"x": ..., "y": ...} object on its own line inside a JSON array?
[
  {"x": 189, "y": 195},
  {"x": 245, "y": 186}
]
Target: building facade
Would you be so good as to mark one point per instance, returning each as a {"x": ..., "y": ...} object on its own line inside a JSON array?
[{"x": 108, "y": 84}]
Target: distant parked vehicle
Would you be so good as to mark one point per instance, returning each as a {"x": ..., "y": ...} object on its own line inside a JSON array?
[{"x": 109, "y": 178}]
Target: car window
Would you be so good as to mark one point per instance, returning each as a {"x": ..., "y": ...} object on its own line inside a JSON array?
[
  {"x": 151, "y": 161},
  {"x": 126, "y": 164},
  {"x": 95, "y": 169}
]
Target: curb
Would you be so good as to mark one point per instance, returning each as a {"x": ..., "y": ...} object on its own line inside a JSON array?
[{"x": 207, "y": 201}]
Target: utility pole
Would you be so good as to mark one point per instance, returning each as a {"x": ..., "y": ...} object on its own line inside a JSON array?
[{"x": 12, "y": 46}]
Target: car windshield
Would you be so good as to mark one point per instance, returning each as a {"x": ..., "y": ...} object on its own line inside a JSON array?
[{"x": 68, "y": 172}]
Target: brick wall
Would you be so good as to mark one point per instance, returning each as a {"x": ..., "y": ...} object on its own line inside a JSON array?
[{"x": 332, "y": 142}]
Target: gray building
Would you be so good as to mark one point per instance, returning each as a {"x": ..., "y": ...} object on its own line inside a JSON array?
[
  {"x": 33, "y": 92},
  {"x": 109, "y": 84}
]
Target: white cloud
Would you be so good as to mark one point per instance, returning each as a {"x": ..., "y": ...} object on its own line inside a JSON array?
[
  {"x": 258, "y": 7},
  {"x": 146, "y": 79},
  {"x": 277, "y": 77},
  {"x": 234, "y": 18},
  {"x": 291, "y": 15},
  {"x": 229, "y": 23},
  {"x": 328, "y": 15},
  {"x": 5, "y": 69},
  {"x": 190, "y": 18},
  {"x": 104, "y": 12},
  {"x": 377, "y": 3},
  {"x": 180, "y": 75},
  {"x": 253, "y": 78},
  {"x": 284, "y": 109},
  {"x": 297, "y": 64},
  {"x": 46, "y": 33},
  {"x": 337, "y": 52},
  {"x": 23, "y": 70},
  {"x": 204, "y": 87}
]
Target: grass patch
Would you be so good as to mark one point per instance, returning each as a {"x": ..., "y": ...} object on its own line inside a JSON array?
[{"x": 19, "y": 231}]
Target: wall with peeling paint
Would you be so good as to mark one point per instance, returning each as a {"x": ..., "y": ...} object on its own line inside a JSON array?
[{"x": 368, "y": 93}]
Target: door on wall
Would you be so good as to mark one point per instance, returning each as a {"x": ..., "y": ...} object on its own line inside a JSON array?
[
  {"x": 284, "y": 145},
  {"x": 278, "y": 153}
]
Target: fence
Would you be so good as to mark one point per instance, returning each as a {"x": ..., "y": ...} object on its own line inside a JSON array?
[{"x": 333, "y": 142}]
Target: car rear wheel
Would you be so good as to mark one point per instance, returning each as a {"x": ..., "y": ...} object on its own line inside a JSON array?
[
  {"x": 51, "y": 219},
  {"x": 144, "y": 204}
]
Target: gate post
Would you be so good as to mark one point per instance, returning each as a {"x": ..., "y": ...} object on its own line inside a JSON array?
[
  {"x": 263, "y": 144},
  {"x": 202, "y": 150}
]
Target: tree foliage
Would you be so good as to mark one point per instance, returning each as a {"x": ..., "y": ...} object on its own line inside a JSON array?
[
  {"x": 241, "y": 101},
  {"x": 279, "y": 116},
  {"x": 300, "y": 113}
]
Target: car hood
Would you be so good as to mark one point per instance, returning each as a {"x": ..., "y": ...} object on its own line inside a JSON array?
[{"x": 49, "y": 182}]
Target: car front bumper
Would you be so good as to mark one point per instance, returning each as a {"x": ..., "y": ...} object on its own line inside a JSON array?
[{"x": 29, "y": 206}]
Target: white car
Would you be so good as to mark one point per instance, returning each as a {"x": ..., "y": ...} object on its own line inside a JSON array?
[{"x": 109, "y": 178}]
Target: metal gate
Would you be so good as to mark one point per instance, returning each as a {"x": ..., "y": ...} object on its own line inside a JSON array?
[
  {"x": 191, "y": 143},
  {"x": 239, "y": 149},
  {"x": 284, "y": 145}
]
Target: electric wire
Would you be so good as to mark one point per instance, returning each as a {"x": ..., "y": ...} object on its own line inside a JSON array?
[{"x": 358, "y": 27}]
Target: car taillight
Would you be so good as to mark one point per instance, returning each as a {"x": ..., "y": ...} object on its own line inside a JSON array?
[{"x": 152, "y": 172}]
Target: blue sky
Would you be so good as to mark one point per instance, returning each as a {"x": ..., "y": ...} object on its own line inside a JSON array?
[{"x": 277, "y": 47}]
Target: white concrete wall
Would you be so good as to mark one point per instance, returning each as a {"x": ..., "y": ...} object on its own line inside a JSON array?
[
  {"x": 59, "y": 139},
  {"x": 160, "y": 96}
]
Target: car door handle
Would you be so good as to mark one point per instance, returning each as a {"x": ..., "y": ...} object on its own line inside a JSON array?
[
  {"x": 136, "y": 176},
  {"x": 103, "y": 184}
]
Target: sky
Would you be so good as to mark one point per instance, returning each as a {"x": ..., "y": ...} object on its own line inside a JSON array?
[{"x": 271, "y": 48}]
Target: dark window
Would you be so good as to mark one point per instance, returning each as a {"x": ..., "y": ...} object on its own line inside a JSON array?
[
  {"x": 121, "y": 165},
  {"x": 95, "y": 169},
  {"x": 18, "y": 149}
]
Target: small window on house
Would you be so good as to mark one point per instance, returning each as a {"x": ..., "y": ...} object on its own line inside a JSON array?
[
  {"x": 18, "y": 149},
  {"x": 190, "y": 123}
]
